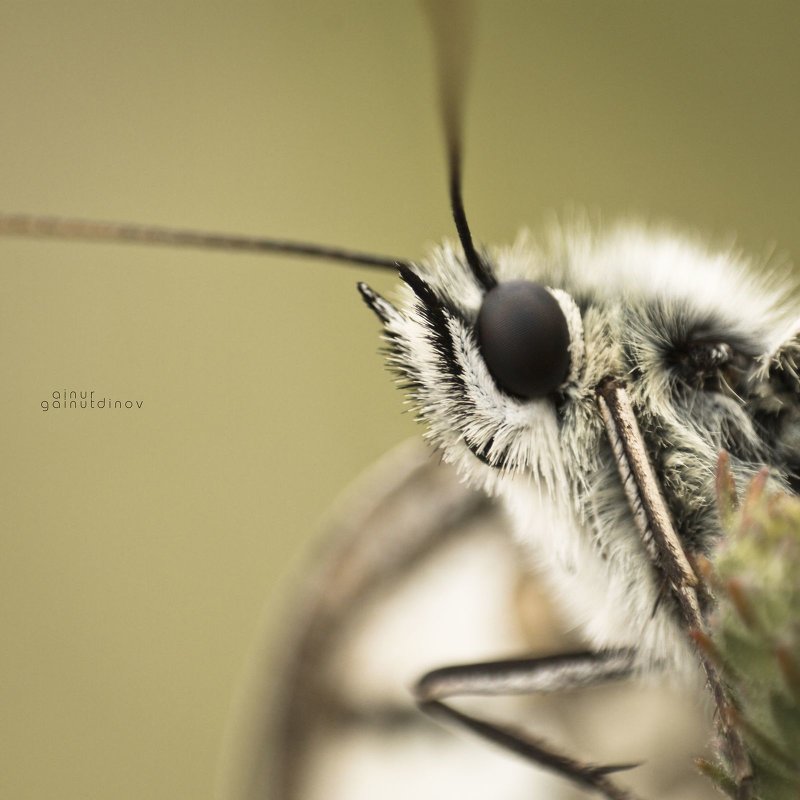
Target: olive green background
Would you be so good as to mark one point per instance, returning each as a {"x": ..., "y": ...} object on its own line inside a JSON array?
[{"x": 140, "y": 548}]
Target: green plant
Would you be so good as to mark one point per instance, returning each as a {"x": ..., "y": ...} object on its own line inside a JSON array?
[{"x": 754, "y": 632}]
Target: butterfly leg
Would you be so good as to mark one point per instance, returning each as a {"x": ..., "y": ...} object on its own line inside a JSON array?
[{"x": 528, "y": 676}]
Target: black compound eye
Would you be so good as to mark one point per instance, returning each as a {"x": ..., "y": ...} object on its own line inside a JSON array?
[{"x": 524, "y": 339}]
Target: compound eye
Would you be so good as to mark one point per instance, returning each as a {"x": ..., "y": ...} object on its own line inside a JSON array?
[{"x": 524, "y": 339}]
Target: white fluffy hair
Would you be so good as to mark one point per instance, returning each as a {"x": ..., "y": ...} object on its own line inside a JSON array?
[{"x": 636, "y": 302}]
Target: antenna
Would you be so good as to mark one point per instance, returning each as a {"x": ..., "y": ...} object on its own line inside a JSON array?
[
  {"x": 39, "y": 227},
  {"x": 451, "y": 28}
]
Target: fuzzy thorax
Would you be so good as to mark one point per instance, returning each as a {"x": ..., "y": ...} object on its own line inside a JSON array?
[{"x": 691, "y": 331}]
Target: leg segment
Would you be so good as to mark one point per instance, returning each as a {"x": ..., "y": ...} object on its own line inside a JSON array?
[{"x": 528, "y": 676}]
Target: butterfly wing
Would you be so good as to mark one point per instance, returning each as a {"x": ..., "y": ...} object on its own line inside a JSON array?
[{"x": 417, "y": 571}]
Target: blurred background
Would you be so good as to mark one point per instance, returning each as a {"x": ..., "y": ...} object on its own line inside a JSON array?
[{"x": 144, "y": 549}]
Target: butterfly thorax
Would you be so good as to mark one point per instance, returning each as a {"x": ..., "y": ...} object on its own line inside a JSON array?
[{"x": 686, "y": 329}]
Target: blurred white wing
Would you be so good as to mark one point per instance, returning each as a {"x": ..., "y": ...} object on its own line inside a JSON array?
[{"x": 418, "y": 572}]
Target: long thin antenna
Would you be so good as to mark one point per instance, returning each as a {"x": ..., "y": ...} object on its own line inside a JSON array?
[
  {"x": 451, "y": 29},
  {"x": 37, "y": 227}
]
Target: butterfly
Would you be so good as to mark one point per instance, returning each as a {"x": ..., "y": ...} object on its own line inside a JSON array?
[{"x": 479, "y": 447}]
